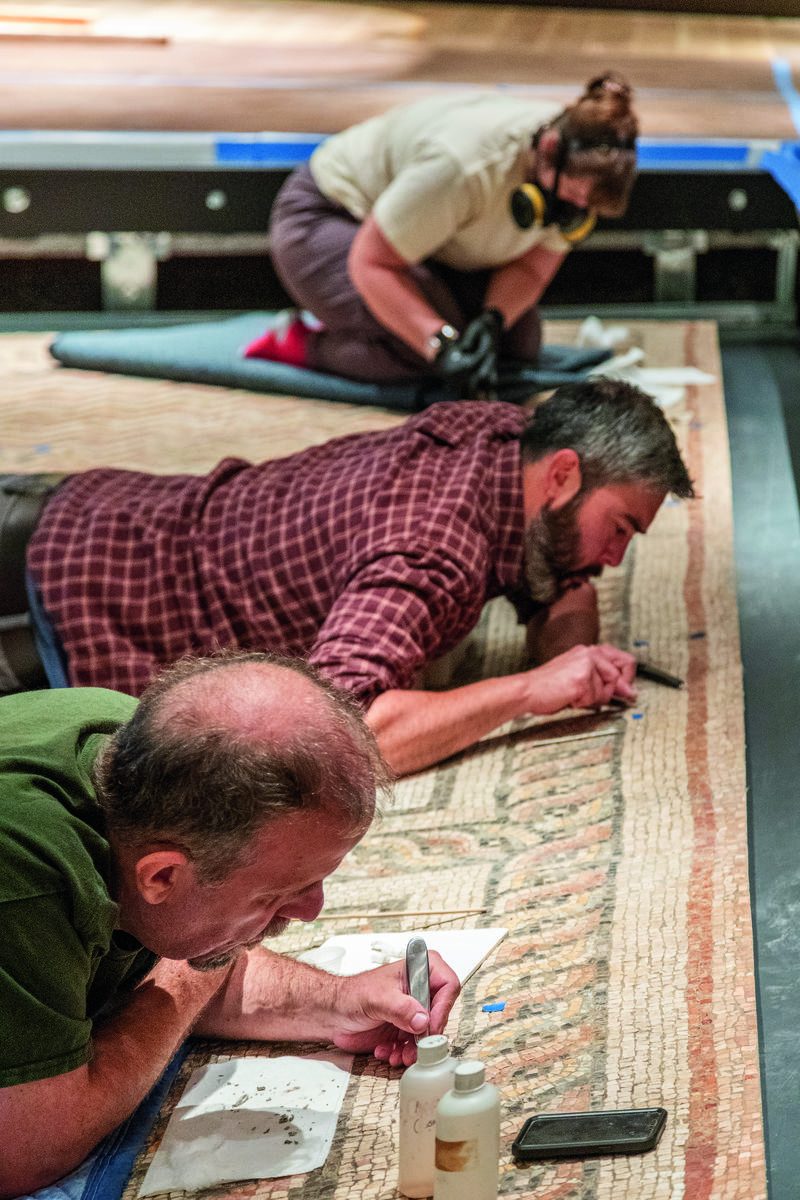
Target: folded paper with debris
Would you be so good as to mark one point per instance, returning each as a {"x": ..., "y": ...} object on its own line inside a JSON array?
[{"x": 251, "y": 1118}]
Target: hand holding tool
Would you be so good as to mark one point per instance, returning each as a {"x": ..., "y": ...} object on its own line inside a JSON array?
[{"x": 418, "y": 975}]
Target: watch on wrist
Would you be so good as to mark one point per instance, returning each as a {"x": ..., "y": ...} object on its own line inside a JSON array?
[{"x": 439, "y": 340}]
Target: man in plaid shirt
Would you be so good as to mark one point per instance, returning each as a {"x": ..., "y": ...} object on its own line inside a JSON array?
[{"x": 372, "y": 555}]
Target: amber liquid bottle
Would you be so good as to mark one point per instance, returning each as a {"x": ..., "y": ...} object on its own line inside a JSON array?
[{"x": 468, "y": 1137}]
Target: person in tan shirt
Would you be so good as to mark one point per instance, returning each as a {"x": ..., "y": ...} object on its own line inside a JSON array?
[{"x": 422, "y": 239}]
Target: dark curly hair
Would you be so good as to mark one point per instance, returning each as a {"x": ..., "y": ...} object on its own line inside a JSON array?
[{"x": 598, "y": 137}]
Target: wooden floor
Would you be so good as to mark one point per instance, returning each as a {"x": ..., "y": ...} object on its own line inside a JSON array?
[{"x": 317, "y": 66}]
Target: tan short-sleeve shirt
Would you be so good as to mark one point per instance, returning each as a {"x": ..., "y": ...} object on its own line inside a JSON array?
[{"x": 438, "y": 175}]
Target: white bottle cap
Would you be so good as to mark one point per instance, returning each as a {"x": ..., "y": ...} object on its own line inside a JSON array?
[
  {"x": 469, "y": 1076},
  {"x": 431, "y": 1049}
]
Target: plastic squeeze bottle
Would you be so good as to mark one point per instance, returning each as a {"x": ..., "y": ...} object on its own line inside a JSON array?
[
  {"x": 422, "y": 1086},
  {"x": 468, "y": 1137}
]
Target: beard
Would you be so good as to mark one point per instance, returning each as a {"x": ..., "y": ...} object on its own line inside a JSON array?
[
  {"x": 277, "y": 926},
  {"x": 552, "y": 549}
]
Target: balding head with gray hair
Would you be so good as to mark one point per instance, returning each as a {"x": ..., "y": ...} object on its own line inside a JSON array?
[{"x": 220, "y": 746}]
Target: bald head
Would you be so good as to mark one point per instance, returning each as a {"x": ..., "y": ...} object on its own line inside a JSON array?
[
  {"x": 220, "y": 746},
  {"x": 251, "y": 700}
]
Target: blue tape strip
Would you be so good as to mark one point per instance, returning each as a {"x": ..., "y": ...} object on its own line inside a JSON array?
[
  {"x": 273, "y": 154},
  {"x": 654, "y": 154},
  {"x": 663, "y": 153},
  {"x": 782, "y": 74},
  {"x": 784, "y": 167}
]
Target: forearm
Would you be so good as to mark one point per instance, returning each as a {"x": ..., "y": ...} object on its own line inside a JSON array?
[
  {"x": 518, "y": 285},
  {"x": 573, "y": 620},
  {"x": 132, "y": 1049},
  {"x": 400, "y": 306},
  {"x": 48, "y": 1127},
  {"x": 269, "y": 997},
  {"x": 385, "y": 284},
  {"x": 393, "y": 297},
  {"x": 416, "y": 729},
  {"x": 273, "y": 998}
]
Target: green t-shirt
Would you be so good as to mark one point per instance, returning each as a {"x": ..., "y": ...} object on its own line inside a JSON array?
[{"x": 61, "y": 960}]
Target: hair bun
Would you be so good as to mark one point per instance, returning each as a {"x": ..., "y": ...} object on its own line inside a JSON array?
[{"x": 609, "y": 84}]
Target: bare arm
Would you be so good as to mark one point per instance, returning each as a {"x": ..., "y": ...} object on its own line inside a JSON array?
[
  {"x": 572, "y": 620},
  {"x": 271, "y": 997},
  {"x": 416, "y": 729},
  {"x": 518, "y": 285},
  {"x": 383, "y": 279},
  {"x": 388, "y": 289},
  {"x": 48, "y": 1127}
]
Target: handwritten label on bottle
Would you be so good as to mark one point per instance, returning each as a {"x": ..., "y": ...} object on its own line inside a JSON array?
[{"x": 419, "y": 1116}]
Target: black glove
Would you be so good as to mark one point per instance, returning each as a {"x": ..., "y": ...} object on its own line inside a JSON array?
[{"x": 468, "y": 364}]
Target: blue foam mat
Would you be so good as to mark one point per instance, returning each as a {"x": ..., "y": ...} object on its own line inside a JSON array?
[{"x": 211, "y": 352}]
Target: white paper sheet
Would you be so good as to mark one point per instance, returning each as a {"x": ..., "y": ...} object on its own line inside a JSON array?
[
  {"x": 251, "y": 1118},
  {"x": 346, "y": 954}
]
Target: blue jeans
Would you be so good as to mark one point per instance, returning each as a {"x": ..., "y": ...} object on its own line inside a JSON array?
[{"x": 48, "y": 643}]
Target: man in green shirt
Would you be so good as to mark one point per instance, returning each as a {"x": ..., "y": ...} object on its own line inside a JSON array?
[{"x": 148, "y": 848}]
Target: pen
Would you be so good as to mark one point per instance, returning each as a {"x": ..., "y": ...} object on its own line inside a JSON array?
[{"x": 647, "y": 671}]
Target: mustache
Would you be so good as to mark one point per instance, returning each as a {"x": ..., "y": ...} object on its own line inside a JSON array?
[{"x": 276, "y": 926}]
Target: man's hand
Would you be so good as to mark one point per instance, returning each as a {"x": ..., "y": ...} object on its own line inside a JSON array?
[
  {"x": 374, "y": 1015},
  {"x": 274, "y": 998},
  {"x": 468, "y": 365},
  {"x": 583, "y": 677}
]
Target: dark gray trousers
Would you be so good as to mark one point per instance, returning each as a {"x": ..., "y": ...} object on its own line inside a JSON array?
[{"x": 310, "y": 240}]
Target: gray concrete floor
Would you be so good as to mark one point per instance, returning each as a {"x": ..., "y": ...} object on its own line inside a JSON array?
[{"x": 761, "y": 392}]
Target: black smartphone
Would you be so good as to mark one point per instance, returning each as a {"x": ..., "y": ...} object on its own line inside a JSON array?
[{"x": 580, "y": 1134}]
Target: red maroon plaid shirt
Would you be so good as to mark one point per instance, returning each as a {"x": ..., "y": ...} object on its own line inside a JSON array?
[{"x": 371, "y": 554}]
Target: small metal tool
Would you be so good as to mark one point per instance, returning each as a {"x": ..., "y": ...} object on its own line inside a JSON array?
[
  {"x": 418, "y": 974},
  {"x": 656, "y": 675}
]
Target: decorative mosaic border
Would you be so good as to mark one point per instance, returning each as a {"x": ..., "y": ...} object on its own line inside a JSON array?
[{"x": 614, "y": 848}]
